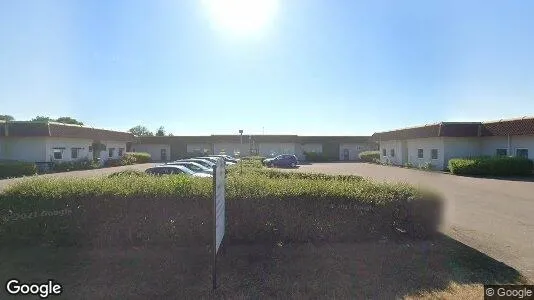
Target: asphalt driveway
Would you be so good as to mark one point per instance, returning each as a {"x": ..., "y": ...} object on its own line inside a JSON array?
[{"x": 494, "y": 216}]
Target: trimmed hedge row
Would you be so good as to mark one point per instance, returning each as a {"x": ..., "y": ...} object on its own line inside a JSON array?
[
  {"x": 136, "y": 157},
  {"x": 262, "y": 207},
  {"x": 85, "y": 164},
  {"x": 369, "y": 156},
  {"x": 491, "y": 166},
  {"x": 10, "y": 169}
]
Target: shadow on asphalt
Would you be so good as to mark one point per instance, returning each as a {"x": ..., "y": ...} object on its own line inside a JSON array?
[{"x": 377, "y": 269}]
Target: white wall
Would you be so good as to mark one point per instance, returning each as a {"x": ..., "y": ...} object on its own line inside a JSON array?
[
  {"x": 489, "y": 145},
  {"x": 354, "y": 150},
  {"x": 31, "y": 149},
  {"x": 427, "y": 144},
  {"x": 68, "y": 144},
  {"x": 388, "y": 145},
  {"x": 524, "y": 141},
  {"x": 112, "y": 144},
  {"x": 312, "y": 147},
  {"x": 273, "y": 149},
  {"x": 457, "y": 147},
  {"x": 154, "y": 150},
  {"x": 199, "y": 147},
  {"x": 231, "y": 148}
]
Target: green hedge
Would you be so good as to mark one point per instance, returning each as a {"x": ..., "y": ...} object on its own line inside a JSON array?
[
  {"x": 369, "y": 156},
  {"x": 84, "y": 164},
  {"x": 10, "y": 169},
  {"x": 137, "y": 157},
  {"x": 491, "y": 166},
  {"x": 313, "y": 156},
  {"x": 262, "y": 207}
]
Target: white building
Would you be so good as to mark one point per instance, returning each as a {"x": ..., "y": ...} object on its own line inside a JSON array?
[
  {"x": 57, "y": 142},
  {"x": 436, "y": 144}
]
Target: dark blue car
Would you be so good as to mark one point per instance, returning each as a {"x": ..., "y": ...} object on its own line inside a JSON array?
[{"x": 284, "y": 160}]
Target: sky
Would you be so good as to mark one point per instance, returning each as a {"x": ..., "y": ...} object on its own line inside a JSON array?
[{"x": 307, "y": 67}]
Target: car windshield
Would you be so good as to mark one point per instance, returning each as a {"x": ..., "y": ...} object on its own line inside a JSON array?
[{"x": 184, "y": 169}]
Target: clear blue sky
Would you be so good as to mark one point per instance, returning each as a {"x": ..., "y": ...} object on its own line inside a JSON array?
[{"x": 317, "y": 67}]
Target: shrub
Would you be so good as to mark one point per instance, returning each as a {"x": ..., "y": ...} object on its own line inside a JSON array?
[
  {"x": 128, "y": 173},
  {"x": 137, "y": 157},
  {"x": 115, "y": 162},
  {"x": 10, "y": 169},
  {"x": 313, "y": 156},
  {"x": 263, "y": 206},
  {"x": 427, "y": 166},
  {"x": 491, "y": 166},
  {"x": 84, "y": 164},
  {"x": 369, "y": 156}
]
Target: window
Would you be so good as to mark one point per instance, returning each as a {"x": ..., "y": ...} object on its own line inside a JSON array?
[
  {"x": 392, "y": 152},
  {"x": 90, "y": 148},
  {"x": 521, "y": 152},
  {"x": 58, "y": 153},
  {"x": 434, "y": 153},
  {"x": 74, "y": 153},
  {"x": 501, "y": 152},
  {"x": 121, "y": 150},
  {"x": 420, "y": 153},
  {"x": 384, "y": 152},
  {"x": 111, "y": 152}
]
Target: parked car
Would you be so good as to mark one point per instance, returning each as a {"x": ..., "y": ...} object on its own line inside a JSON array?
[
  {"x": 204, "y": 162},
  {"x": 227, "y": 158},
  {"x": 283, "y": 160},
  {"x": 214, "y": 160},
  {"x": 174, "y": 169},
  {"x": 193, "y": 166}
]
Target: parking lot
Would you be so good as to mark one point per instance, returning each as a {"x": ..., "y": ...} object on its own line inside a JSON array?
[
  {"x": 491, "y": 215},
  {"x": 494, "y": 216}
]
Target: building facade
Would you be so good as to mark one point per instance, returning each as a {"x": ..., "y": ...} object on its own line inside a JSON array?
[
  {"x": 42, "y": 142},
  {"x": 436, "y": 144},
  {"x": 330, "y": 147}
]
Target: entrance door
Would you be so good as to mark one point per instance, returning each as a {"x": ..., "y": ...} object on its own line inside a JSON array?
[
  {"x": 163, "y": 154},
  {"x": 346, "y": 154}
]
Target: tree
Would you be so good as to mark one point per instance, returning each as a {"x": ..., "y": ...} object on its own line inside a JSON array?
[
  {"x": 170, "y": 134},
  {"x": 41, "y": 119},
  {"x": 140, "y": 130},
  {"x": 6, "y": 118},
  {"x": 68, "y": 120},
  {"x": 161, "y": 131}
]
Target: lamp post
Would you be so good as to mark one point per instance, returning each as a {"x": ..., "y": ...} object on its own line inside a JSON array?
[{"x": 241, "y": 148}]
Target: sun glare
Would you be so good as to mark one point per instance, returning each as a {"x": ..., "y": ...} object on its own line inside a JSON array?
[{"x": 242, "y": 17}]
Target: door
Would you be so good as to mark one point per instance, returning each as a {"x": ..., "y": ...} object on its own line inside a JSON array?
[
  {"x": 346, "y": 154},
  {"x": 163, "y": 154}
]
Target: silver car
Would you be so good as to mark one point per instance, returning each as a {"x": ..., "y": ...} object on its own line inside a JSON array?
[
  {"x": 193, "y": 166},
  {"x": 174, "y": 169}
]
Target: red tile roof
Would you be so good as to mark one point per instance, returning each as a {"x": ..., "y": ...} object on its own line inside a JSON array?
[
  {"x": 29, "y": 129},
  {"x": 523, "y": 126}
]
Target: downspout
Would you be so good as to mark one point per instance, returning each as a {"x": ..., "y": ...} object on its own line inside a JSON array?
[{"x": 509, "y": 146}]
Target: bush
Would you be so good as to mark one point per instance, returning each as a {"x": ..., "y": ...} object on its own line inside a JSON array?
[
  {"x": 263, "y": 206},
  {"x": 369, "y": 156},
  {"x": 491, "y": 166},
  {"x": 137, "y": 157},
  {"x": 313, "y": 156},
  {"x": 10, "y": 169},
  {"x": 84, "y": 164},
  {"x": 128, "y": 173}
]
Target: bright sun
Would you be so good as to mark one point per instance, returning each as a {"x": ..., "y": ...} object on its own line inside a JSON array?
[{"x": 242, "y": 17}]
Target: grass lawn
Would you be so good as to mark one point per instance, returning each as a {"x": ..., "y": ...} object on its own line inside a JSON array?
[{"x": 441, "y": 267}]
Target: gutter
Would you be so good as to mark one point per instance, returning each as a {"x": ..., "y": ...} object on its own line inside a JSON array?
[{"x": 509, "y": 145}]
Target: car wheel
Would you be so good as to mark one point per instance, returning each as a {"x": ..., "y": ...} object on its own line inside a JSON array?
[{"x": 293, "y": 165}]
